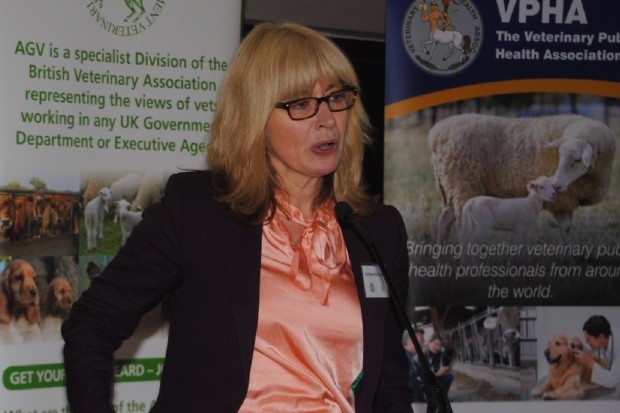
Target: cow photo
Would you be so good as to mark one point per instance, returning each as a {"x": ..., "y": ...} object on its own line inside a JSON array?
[{"x": 39, "y": 216}]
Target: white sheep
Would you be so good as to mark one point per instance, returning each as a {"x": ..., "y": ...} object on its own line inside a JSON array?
[
  {"x": 94, "y": 213},
  {"x": 151, "y": 189},
  {"x": 92, "y": 181},
  {"x": 129, "y": 219},
  {"x": 497, "y": 156},
  {"x": 484, "y": 214},
  {"x": 124, "y": 188}
]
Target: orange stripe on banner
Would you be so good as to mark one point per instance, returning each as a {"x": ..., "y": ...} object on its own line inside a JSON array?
[{"x": 586, "y": 87}]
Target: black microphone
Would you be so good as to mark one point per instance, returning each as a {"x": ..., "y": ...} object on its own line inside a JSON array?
[{"x": 436, "y": 397}]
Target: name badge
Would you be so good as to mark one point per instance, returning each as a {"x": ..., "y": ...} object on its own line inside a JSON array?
[{"x": 374, "y": 283}]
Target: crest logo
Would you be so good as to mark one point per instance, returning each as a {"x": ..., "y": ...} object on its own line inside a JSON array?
[
  {"x": 442, "y": 37},
  {"x": 125, "y": 17}
]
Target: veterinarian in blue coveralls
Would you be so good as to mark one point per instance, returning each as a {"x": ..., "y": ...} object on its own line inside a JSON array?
[{"x": 605, "y": 343}]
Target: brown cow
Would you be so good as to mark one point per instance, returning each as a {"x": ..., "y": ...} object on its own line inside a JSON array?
[
  {"x": 65, "y": 208},
  {"x": 7, "y": 212},
  {"x": 39, "y": 207},
  {"x": 49, "y": 216},
  {"x": 25, "y": 222}
]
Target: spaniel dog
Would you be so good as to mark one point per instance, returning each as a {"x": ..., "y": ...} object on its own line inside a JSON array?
[
  {"x": 58, "y": 302},
  {"x": 19, "y": 303}
]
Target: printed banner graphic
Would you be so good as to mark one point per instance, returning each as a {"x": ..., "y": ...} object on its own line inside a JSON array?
[
  {"x": 101, "y": 101},
  {"x": 444, "y": 51},
  {"x": 502, "y": 127}
]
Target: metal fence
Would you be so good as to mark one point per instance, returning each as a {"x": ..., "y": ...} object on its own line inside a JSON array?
[{"x": 477, "y": 341}]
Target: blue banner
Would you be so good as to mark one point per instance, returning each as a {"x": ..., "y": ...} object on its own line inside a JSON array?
[{"x": 442, "y": 51}]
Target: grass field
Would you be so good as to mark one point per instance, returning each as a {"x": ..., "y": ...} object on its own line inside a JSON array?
[{"x": 108, "y": 245}]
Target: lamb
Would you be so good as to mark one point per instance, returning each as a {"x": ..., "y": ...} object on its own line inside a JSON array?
[
  {"x": 483, "y": 214},
  {"x": 124, "y": 188},
  {"x": 497, "y": 156},
  {"x": 94, "y": 213},
  {"x": 129, "y": 219}
]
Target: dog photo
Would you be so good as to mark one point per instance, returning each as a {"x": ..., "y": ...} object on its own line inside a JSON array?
[
  {"x": 568, "y": 379},
  {"x": 36, "y": 295},
  {"x": 561, "y": 342}
]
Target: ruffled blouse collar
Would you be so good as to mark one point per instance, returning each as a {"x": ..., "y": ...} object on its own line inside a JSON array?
[{"x": 318, "y": 256}]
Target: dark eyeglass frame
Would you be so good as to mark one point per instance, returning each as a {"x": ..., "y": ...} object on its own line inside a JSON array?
[{"x": 287, "y": 105}]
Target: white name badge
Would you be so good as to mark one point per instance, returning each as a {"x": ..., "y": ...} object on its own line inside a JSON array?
[{"x": 374, "y": 283}]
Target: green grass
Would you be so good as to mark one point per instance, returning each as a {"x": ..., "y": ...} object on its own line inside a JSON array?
[
  {"x": 109, "y": 245},
  {"x": 409, "y": 178}
]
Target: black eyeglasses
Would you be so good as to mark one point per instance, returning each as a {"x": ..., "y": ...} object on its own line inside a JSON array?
[{"x": 305, "y": 108}]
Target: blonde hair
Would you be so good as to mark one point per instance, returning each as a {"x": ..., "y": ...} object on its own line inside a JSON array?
[{"x": 275, "y": 63}]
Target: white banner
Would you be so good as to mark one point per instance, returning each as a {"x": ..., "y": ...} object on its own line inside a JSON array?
[{"x": 95, "y": 94}]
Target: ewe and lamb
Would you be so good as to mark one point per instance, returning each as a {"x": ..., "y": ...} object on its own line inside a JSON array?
[
  {"x": 483, "y": 214},
  {"x": 475, "y": 155}
]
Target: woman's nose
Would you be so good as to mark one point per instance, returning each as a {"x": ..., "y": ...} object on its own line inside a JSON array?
[{"x": 325, "y": 117}]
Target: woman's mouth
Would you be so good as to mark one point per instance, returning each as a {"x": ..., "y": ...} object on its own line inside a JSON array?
[{"x": 325, "y": 146}]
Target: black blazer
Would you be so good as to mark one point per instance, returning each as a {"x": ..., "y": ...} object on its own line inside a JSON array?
[{"x": 191, "y": 247}]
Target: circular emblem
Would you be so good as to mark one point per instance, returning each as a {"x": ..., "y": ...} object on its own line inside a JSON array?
[
  {"x": 125, "y": 17},
  {"x": 442, "y": 37}
]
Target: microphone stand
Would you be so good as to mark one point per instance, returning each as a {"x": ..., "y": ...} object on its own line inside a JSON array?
[{"x": 436, "y": 397}]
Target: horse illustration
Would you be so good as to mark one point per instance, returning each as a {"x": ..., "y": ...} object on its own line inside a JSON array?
[
  {"x": 439, "y": 33},
  {"x": 453, "y": 38}
]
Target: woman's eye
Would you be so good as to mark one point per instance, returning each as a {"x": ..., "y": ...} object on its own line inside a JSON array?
[
  {"x": 300, "y": 104},
  {"x": 337, "y": 97}
]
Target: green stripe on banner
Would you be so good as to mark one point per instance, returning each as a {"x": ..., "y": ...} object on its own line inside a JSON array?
[
  {"x": 36, "y": 376},
  {"x": 40, "y": 376}
]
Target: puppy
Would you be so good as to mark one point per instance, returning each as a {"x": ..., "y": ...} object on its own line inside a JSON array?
[
  {"x": 568, "y": 379},
  {"x": 19, "y": 303},
  {"x": 58, "y": 302}
]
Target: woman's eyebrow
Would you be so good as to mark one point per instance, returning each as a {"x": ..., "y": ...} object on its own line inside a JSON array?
[{"x": 329, "y": 87}]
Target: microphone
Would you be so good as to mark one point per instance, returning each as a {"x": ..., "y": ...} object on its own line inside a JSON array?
[{"x": 436, "y": 397}]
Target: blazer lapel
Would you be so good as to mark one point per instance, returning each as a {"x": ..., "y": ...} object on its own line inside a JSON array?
[
  {"x": 373, "y": 316},
  {"x": 243, "y": 279}
]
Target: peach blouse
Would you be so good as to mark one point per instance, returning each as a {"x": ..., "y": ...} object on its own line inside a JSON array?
[{"x": 308, "y": 349}]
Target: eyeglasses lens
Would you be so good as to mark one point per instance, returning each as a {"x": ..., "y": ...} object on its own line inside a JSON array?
[{"x": 308, "y": 107}]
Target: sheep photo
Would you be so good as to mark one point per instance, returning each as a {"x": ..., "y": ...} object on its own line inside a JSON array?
[
  {"x": 439, "y": 158},
  {"x": 113, "y": 202}
]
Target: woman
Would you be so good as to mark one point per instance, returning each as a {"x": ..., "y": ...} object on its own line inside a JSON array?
[
  {"x": 268, "y": 309},
  {"x": 439, "y": 361},
  {"x": 415, "y": 366}
]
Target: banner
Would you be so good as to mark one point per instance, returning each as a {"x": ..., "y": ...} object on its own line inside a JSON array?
[
  {"x": 101, "y": 101},
  {"x": 501, "y": 138}
]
